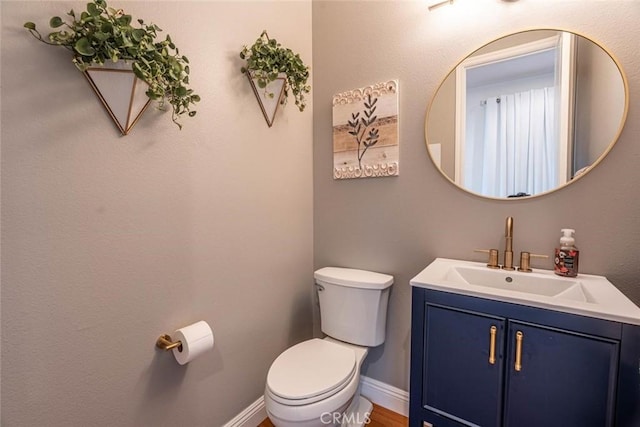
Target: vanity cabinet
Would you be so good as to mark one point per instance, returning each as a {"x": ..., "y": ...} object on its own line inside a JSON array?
[{"x": 481, "y": 362}]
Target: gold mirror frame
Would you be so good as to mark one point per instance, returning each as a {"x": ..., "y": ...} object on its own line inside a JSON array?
[{"x": 576, "y": 177}]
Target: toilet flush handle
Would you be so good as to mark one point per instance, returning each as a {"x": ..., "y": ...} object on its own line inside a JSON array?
[{"x": 320, "y": 287}]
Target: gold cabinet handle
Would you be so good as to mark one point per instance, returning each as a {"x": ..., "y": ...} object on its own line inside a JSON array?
[
  {"x": 518, "y": 364},
  {"x": 492, "y": 345}
]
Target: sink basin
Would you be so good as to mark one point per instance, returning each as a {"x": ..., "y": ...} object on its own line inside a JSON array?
[
  {"x": 518, "y": 282},
  {"x": 587, "y": 295}
]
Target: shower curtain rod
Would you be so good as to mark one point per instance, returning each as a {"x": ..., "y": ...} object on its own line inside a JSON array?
[{"x": 484, "y": 101}]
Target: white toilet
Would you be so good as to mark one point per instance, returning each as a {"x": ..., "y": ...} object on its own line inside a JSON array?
[{"x": 316, "y": 383}]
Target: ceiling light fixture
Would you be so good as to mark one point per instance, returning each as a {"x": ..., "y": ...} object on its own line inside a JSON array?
[{"x": 442, "y": 3}]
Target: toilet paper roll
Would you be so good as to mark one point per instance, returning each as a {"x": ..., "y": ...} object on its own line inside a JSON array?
[{"x": 196, "y": 339}]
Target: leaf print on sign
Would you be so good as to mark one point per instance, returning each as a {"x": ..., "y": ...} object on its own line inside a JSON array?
[{"x": 365, "y": 132}]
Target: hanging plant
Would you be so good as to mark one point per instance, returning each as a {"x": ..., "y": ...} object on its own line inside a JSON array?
[
  {"x": 102, "y": 34},
  {"x": 266, "y": 58}
]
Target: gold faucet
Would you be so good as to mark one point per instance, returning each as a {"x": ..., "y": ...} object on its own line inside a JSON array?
[{"x": 508, "y": 250}]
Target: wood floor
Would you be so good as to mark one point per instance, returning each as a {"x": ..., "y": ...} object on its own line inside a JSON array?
[{"x": 380, "y": 417}]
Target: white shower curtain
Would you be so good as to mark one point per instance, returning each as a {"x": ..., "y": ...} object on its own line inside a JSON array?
[{"x": 518, "y": 152}]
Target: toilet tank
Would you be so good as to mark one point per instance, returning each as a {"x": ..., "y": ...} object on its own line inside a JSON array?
[{"x": 353, "y": 304}]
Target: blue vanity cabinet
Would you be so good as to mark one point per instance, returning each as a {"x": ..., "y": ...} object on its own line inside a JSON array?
[
  {"x": 562, "y": 378},
  {"x": 480, "y": 362},
  {"x": 463, "y": 365}
]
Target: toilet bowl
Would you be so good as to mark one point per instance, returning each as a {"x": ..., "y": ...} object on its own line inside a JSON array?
[
  {"x": 316, "y": 383},
  {"x": 331, "y": 373}
]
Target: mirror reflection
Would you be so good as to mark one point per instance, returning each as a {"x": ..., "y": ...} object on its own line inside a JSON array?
[{"x": 526, "y": 114}]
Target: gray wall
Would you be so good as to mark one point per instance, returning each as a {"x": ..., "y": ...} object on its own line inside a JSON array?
[
  {"x": 110, "y": 241},
  {"x": 602, "y": 98},
  {"x": 107, "y": 242},
  {"x": 399, "y": 225}
]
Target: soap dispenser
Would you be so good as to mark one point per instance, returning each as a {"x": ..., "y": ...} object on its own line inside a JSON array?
[{"x": 566, "y": 259}]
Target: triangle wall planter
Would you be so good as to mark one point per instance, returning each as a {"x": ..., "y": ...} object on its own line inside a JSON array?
[
  {"x": 120, "y": 91},
  {"x": 269, "y": 97}
]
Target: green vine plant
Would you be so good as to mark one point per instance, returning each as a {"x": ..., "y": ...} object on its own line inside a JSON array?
[
  {"x": 361, "y": 128},
  {"x": 102, "y": 34},
  {"x": 266, "y": 58}
]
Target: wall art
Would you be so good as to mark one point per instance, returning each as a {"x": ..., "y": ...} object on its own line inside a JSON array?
[{"x": 365, "y": 132}]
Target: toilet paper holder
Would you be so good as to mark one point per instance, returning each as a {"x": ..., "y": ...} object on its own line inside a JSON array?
[{"x": 165, "y": 343}]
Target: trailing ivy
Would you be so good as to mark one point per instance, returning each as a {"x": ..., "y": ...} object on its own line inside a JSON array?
[
  {"x": 266, "y": 58},
  {"x": 102, "y": 34}
]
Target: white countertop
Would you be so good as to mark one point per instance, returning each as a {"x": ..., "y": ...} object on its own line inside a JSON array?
[{"x": 601, "y": 298}]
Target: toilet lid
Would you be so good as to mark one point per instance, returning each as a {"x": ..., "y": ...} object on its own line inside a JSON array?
[{"x": 311, "y": 368}]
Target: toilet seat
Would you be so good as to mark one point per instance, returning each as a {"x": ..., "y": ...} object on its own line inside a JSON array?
[{"x": 311, "y": 371}]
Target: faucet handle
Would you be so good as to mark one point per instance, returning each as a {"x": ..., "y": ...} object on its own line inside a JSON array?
[
  {"x": 525, "y": 261},
  {"x": 493, "y": 257}
]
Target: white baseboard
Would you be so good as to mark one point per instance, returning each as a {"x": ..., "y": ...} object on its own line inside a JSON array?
[
  {"x": 377, "y": 392},
  {"x": 253, "y": 415},
  {"x": 385, "y": 395}
]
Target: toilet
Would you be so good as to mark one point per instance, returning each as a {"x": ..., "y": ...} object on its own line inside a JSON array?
[{"x": 316, "y": 383}]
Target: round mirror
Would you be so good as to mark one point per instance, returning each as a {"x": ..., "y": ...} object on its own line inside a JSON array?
[{"x": 527, "y": 114}]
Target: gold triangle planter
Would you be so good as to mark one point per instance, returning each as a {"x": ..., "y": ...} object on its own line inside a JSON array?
[
  {"x": 122, "y": 94},
  {"x": 269, "y": 97}
]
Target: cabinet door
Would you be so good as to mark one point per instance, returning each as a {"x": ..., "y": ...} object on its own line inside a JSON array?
[
  {"x": 562, "y": 378},
  {"x": 463, "y": 365}
]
